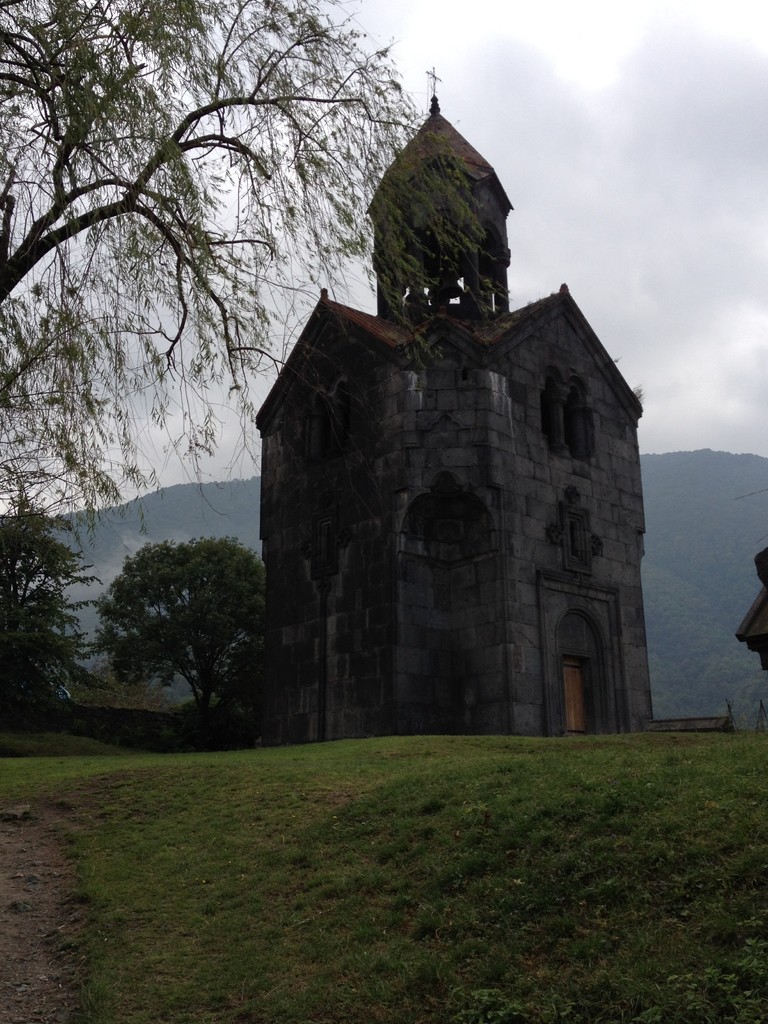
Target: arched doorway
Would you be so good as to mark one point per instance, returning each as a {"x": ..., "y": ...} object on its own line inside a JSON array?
[
  {"x": 585, "y": 704},
  {"x": 574, "y": 704}
]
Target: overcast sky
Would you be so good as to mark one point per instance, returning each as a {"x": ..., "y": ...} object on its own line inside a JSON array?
[{"x": 632, "y": 141}]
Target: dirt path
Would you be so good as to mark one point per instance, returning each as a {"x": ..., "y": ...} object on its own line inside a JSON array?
[{"x": 39, "y": 920}]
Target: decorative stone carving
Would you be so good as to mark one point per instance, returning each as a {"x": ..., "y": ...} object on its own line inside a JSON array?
[
  {"x": 344, "y": 536},
  {"x": 555, "y": 533}
]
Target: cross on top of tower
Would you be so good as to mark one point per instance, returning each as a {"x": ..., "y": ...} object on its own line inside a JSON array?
[{"x": 434, "y": 107}]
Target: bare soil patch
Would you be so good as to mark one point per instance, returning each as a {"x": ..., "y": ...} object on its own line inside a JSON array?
[{"x": 40, "y": 920}]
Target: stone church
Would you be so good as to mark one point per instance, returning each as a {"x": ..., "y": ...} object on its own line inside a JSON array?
[{"x": 452, "y": 512}]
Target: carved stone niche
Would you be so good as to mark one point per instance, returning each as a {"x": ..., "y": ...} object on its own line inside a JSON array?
[{"x": 448, "y": 524}]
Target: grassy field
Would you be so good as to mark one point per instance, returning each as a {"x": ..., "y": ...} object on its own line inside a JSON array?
[{"x": 444, "y": 880}]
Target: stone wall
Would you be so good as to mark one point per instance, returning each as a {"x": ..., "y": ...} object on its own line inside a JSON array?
[{"x": 132, "y": 727}]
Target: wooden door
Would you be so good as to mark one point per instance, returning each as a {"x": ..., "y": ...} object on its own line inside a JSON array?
[{"x": 573, "y": 689}]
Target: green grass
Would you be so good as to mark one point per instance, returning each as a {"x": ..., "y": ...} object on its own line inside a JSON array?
[
  {"x": 442, "y": 879},
  {"x": 54, "y": 744}
]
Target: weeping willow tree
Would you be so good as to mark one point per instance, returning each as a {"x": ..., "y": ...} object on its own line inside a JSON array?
[{"x": 170, "y": 172}]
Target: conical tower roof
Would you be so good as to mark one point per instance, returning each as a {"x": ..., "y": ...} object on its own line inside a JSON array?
[{"x": 436, "y": 127}]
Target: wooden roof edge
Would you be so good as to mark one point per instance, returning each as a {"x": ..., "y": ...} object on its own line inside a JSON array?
[{"x": 758, "y": 608}]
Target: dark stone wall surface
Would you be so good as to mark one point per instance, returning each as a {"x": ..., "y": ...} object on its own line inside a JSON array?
[
  {"x": 327, "y": 545},
  {"x": 434, "y": 547}
]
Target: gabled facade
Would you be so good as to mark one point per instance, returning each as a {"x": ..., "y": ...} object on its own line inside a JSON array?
[{"x": 452, "y": 521}]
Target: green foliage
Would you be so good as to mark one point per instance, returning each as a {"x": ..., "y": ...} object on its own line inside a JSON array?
[
  {"x": 233, "y": 725},
  {"x": 491, "y": 1006},
  {"x": 100, "y": 687},
  {"x": 171, "y": 173},
  {"x": 55, "y": 744},
  {"x": 183, "y": 512},
  {"x": 39, "y": 641},
  {"x": 195, "y": 610},
  {"x": 735, "y": 994}
]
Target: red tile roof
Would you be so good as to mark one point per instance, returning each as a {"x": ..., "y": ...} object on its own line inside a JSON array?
[
  {"x": 485, "y": 332},
  {"x": 383, "y": 330}
]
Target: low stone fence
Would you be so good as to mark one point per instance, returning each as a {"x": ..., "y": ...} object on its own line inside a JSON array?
[
  {"x": 128, "y": 727},
  {"x": 716, "y": 723}
]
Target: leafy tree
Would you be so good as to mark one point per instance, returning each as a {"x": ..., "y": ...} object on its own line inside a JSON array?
[
  {"x": 195, "y": 610},
  {"x": 101, "y": 688},
  {"x": 171, "y": 172},
  {"x": 39, "y": 641}
]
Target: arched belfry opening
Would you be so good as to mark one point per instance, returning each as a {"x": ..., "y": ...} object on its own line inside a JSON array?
[
  {"x": 440, "y": 234},
  {"x": 492, "y": 267}
]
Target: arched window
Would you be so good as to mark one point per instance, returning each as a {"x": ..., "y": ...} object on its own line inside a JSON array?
[
  {"x": 341, "y": 420},
  {"x": 552, "y": 412},
  {"x": 318, "y": 436},
  {"x": 329, "y": 422},
  {"x": 566, "y": 419},
  {"x": 577, "y": 422}
]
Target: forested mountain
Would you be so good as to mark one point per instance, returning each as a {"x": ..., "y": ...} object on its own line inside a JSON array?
[
  {"x": 180, "y": 513},
  {"x": 706, "y": 518}
]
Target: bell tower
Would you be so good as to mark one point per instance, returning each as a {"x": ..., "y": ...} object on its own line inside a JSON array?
[
  {"x": 451, "y": 500},
  {"x": 440, "y": 232}
]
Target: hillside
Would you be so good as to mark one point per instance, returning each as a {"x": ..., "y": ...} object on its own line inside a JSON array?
[
  {"x": 180, "y": 513},
  {"x": 706, "y": 517}
]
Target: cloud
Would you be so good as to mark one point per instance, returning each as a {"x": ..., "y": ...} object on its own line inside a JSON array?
[
  {"x": 650, "y": 198},
  {"x": 641, "y": 182}
]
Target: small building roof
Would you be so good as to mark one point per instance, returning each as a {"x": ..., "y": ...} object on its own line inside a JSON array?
[
  {"x": 753, "y": 631},
  {"x": 755, "y": 622}
]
